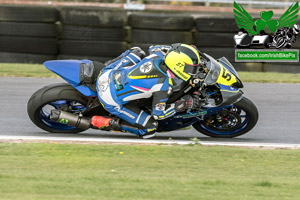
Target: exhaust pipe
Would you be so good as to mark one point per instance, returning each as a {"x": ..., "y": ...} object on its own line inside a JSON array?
[{"x": 70, "y": 119}]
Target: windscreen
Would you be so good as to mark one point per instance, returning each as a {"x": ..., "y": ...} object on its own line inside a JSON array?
[{"x": 213, "y": 71}]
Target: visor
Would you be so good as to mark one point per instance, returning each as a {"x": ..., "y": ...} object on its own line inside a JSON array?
[{"x": 191, "y": 69}]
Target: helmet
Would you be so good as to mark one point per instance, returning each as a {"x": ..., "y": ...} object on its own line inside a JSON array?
[
  {"x": 296, "y": 29},
  {"x": 183, "y": 60}
]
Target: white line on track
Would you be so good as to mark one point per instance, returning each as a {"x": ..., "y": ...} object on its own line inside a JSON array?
[{"x": 9, "y": 138}]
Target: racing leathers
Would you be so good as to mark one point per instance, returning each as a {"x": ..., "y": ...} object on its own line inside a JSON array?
[{"x": 131, "y": 77}]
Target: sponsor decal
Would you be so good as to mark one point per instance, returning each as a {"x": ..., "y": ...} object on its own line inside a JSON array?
[
  {"x": 150, "y": 129},
  {"x": 160, "y": 106},
  {"x": 181, "y": 74},
  {"x": 124, "y": 112},
  {"x": 103, "y": 84},
  {"x": 180, "y": 64},
  {"x": 118, "y": 81},
  {"x": 190, "y": 115},
  {"x": 123, "y": 61},
  {"x": 169, "y": 90},
  {"x": 64, "y": 121},
  {"x": 275, "y": 35},
  {"x": 146, "y": 68},
  {"x": 124, "y": 77}
]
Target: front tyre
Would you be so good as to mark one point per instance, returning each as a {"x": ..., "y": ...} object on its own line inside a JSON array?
[
  {"x": 56, "y": 96},
  {"x": 238, "y": 120}
]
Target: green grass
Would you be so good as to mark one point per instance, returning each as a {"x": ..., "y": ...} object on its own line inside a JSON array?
[
  {"x": 60, "y": 171},
  {"x": 25, "y": 70},
  {"x": 269, "y": 77},
  {"x": 34, "y": 70}
]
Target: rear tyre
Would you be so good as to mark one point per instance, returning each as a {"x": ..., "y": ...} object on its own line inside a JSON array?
[
  {"x": 55, "y": 96},
  {"x": 244, "y": 116}
]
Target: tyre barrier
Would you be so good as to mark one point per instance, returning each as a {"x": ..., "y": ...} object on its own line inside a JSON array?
[
  {"x": 160, "y": 37},
  {"x": 157, "y": 21},
  {"x": 92, "y": 33},
  {"x": 92, "y": 48},
  {"x": 24, "y": 58},
  {"x": 28, "y": 34},
  {"x": 71, "y": 32},
  {"x": 28, "y": 14},
  {"x": 216, "y": 24},
  {"x": 86, "y": 57},
  {"x": 213, "y": 39},
  {"x": 154, "y": 28},
  {"x": 34, "y": 34},
  {"x": 32, "y": 29},
  {"x": 97, "y": 17},
  {"x": 28, "y": 45}
]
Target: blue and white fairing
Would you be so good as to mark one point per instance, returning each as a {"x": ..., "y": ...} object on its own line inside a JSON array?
[{"x": 69, "y": 71}]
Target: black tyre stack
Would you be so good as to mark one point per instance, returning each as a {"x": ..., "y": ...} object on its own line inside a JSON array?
[
  {"x": 28, "y": 34},
  {"x": 214, "y": 36},
  {"x": 153, "y": 28},
  {"x": 89, "y": 33}
]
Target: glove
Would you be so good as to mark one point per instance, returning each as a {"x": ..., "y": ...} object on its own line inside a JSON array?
[
  {"x": 161, "y": 48},
  {"x": 138, "y": 52},
  {"x": 187, "y": 102}
]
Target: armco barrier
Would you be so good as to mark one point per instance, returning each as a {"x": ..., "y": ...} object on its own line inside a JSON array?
[{"x": 33, "y": 34}]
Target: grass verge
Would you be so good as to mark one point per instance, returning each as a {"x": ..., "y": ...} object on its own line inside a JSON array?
[
  {"x": 269, "y": 77},
  {"x": 62, "y": 171},
  {"x": 25, "y": 70},
  {"x": 34, "y": 70}
]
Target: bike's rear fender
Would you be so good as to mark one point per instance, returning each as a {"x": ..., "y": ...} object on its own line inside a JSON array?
[{"x": 69, "y": 71}]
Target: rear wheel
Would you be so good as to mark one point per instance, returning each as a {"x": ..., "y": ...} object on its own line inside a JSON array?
[
  {"x": 230, "y": 122},
  {"x": 55, "y": 96}
]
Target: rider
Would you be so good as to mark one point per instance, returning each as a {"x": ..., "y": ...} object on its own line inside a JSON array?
[
  {"x": 287, "y": 34},
  {"x": 133, "y": 76}
]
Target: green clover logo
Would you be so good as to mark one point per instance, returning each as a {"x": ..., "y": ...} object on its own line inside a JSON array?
[
  {"x": 245, "y": 21},
  {"x": 265, "y": 20}
]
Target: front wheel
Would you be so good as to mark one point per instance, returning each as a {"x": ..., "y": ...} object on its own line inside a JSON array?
[{"x": 231, "y": 122}]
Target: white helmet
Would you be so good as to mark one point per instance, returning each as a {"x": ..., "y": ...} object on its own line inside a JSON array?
[{"x": 296, "y": 29}]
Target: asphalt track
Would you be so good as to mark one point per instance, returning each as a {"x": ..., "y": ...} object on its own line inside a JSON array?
[{"x": 278, "y": 105}]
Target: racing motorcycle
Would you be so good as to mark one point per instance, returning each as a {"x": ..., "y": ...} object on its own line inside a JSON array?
[{"x": 69, "y": 107}]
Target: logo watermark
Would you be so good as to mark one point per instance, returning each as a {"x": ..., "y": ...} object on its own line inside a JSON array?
[
  {"x": 266, "y": 39},
  {"x": 264, "y": 55}
]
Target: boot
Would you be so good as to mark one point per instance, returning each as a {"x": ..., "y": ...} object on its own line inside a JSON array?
[
  {"x": 105, "y": 123},
  {"x": 148, "y": 135}
]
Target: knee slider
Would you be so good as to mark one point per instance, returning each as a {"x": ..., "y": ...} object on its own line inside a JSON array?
[{"x": 150, "y": 126}]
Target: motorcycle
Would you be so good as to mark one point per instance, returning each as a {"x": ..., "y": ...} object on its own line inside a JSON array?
[
  {"x": 285, "y": 37},
  {"x": 225, "y": 113}
]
